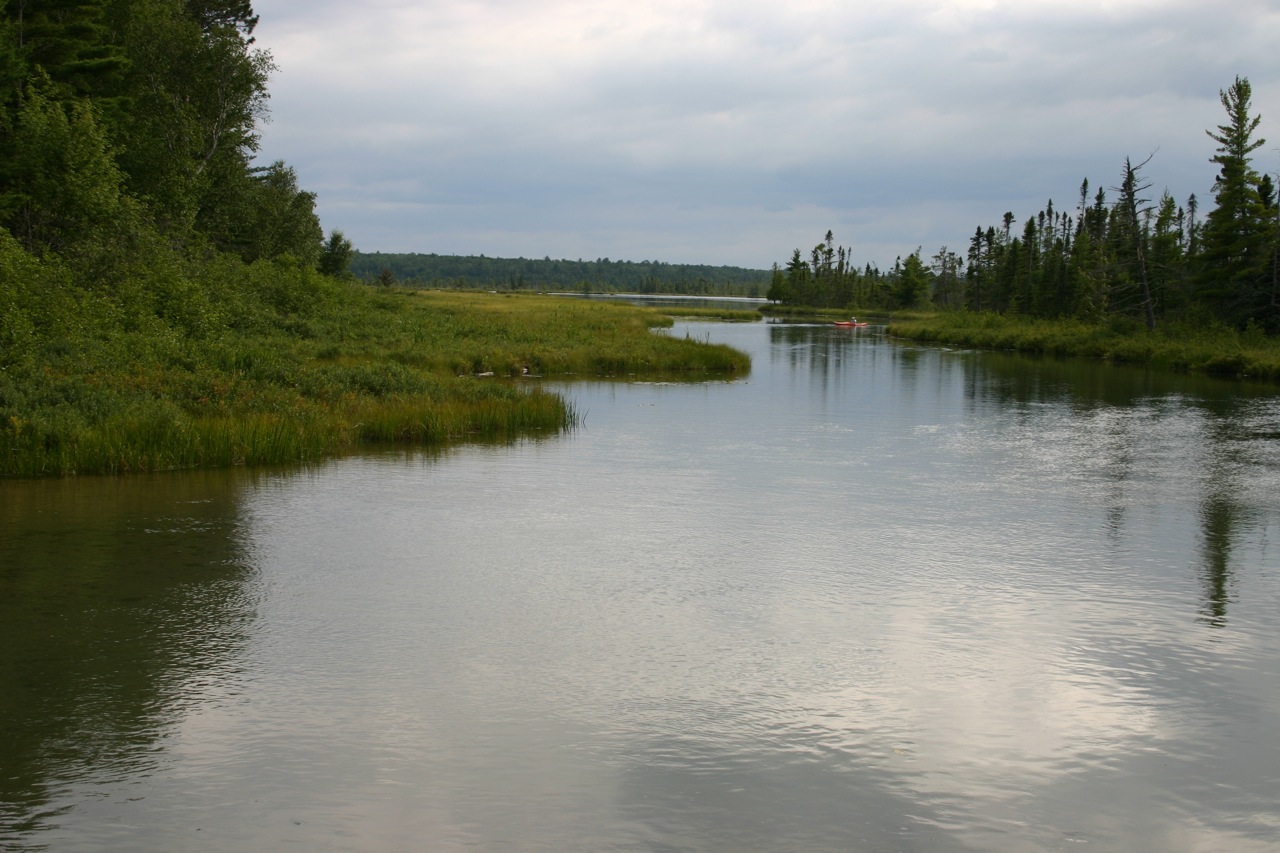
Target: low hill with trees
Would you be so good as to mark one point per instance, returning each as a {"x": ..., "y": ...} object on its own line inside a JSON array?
[{"x": 600, "y": 276}]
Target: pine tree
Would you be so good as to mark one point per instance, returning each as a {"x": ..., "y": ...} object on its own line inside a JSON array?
[
  {"x": 71, "y": 42},
  {"x": 335, "y": 258},
  {"x": 1134, "y": 237},
  {"x": 1234, "y": 252},
  {"x": 913, "y": 283},
  {"x": 210, "y": 14},
  {"x": 1168, "y": 256}
]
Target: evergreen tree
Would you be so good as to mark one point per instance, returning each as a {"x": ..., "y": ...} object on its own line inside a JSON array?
[
  {"x": 1135, "y": 238},
  {"x": 71, "y": 42},
  {"x": 948, "y": 285},
  {"x": 335, "y": 257},
  {"x": 1103, "y": 259},
  {"x": 798, "y": 279},
  {"x": 1168, "y": 256},
  {"x": 1271, "y": 277},
  {"x": 779, "y": 290},
  {"x": 913, "y": 285},
  {"x": 1234, "y": 255},
  {"x": 212, "y": 14}
]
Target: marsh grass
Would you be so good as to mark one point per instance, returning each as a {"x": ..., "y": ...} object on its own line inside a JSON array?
[
  {"x": 1192, "y": 345},
  {"x": 724, "y": 315},
  {"x": 277, "y": 364}
]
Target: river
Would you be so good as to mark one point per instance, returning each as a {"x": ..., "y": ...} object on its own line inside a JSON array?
[{"x": 871, "y": 597}]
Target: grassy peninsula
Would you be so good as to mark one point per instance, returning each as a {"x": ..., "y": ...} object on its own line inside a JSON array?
[
  {"x": 167, "y": 301},
  {"x": 226, "y": 363}
]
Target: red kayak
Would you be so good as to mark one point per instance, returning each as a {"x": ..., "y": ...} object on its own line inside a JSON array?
[{"x": 850, "y": 323}]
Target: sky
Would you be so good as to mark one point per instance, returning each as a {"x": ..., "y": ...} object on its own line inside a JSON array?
[{"x": 734, "y": 131}]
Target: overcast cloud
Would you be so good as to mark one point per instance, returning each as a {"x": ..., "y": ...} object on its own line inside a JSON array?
[{"x": 711, "y": 131}]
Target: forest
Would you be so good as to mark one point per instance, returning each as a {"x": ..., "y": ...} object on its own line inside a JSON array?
[
  {"x": 598, "y": 276},
  {"x": 1115, "y": 253},
  {"x": 128, "y": 136}
]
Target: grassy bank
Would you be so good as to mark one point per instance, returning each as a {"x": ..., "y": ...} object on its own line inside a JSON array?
[
  {"x": 723, "y": 315},
  {"x": 1197, "y": 346},
  {"x": 223, "y": 364}
]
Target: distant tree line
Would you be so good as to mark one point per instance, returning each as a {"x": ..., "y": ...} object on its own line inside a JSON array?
[
  {"x": 1109, "y": 255},
  {"x": 601, "y": 275}
]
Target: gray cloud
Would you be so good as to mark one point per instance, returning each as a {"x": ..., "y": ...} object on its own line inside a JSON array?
[{"x": 733, "y": 132}]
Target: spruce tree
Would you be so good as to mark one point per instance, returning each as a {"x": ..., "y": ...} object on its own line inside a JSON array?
[{"x": 1233, "y": 251}]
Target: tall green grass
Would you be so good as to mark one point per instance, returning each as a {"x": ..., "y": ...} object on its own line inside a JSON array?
[
  {"x": 1192, "y": 344},
  {"x": 217, "y": 363},
  {"x": 724, "y": 315},
  {"x": 156, "y": 438}
]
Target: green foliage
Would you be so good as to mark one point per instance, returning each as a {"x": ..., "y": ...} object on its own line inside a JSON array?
[
  {"x": 1237, "y": 256},
  {"x": 63, "y": 187},
  {"x": 779, "y": 288},
  {"x": 119, "y": 116},
  {"x": 279, "y": 219},
  {"x": 724, "y": 315},
  {"x": 1196, "y": 344},
  {"x": 829, "y": 280},
  {"x": 214, "y": 14},
  {"x": 197, "y": 94},
  {"x": 335, "y": 257},
  {"x": 913, "y": 280},
  {"x": 38, "y": 304},
  {"x": 70, "y": 41}
]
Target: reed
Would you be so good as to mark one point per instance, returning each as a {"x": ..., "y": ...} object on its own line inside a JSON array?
[
  {"x": 136, "y": 442},
  {"x": 724, "y": 315}
]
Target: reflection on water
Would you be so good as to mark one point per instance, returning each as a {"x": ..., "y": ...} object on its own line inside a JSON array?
[
  {"x": 1218, "y": 514},
  {"x": 1211, "y": 440},
  {"x": 121, "y": 602},
  {"x": 871, "y": 597}
]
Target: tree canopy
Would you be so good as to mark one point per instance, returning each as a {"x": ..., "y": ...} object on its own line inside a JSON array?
[{"x": 120, "y": 118}]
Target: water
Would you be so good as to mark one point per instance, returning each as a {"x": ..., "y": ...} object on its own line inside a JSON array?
[{"x": 872, "y": 597}]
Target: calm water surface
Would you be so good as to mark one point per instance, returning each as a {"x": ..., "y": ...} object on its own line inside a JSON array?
[{"x": 872, "y": 598}]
